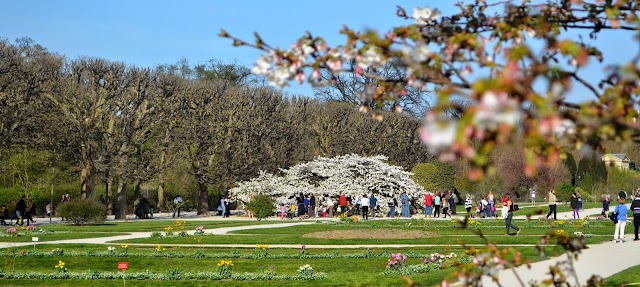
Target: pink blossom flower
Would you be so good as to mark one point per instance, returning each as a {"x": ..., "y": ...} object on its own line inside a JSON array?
[{"x": 12, "y": 230}]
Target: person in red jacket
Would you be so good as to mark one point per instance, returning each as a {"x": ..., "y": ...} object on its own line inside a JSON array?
[
  {"x": 343, "y": 203},
  {"x": 428, "y": 204}
]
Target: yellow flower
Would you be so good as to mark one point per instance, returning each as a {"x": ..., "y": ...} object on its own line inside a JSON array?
[
  {"x": 124, "y": 246},
  {"x": 224, "y": 263},
  {"x": 60, "y": 264},
  {"x": 159, "y": 248},
  {"x": 560, "y": 222}
]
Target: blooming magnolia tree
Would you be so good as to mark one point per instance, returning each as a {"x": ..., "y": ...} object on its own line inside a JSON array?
[
  {"x": 327, "y": 177},
  {"x": 512, "y": 62}
]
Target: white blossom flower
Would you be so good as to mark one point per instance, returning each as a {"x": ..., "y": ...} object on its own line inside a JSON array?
[
  {"x": 425, "y": 15},
  {"x": 263, "y": 65},
  {"x": 372, "y": 57},
  {"x": 438, "y": 134},
  {"x": 280, "y": 77},
  {"x": 416, "y": 54},
  {"x": 307, "y": 49},
  {"x": 495, "y": 109}
]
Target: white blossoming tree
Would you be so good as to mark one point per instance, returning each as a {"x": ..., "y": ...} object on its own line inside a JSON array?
[{"x": 327, "y": 177}]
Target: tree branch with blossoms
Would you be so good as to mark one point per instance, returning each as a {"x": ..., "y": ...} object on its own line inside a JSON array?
[{"x": 493, "y": 55}]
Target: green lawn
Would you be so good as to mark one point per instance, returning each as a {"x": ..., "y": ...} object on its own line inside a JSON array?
[
  {"x": 340, "y": 271},
  {"x": 628, "y": 277},
  {"x": 151, "y": 225},
  {"x": 441, "y": 232},
  {"x": 58, "y": 236},
  {"x": 346, "y": 267}
]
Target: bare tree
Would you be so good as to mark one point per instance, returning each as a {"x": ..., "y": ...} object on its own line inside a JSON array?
[{"x": 357, "y": 89}]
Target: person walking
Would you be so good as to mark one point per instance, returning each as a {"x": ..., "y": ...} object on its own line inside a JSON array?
[
  {"x": 605, "y": 206},
  {"x": 635, "y": 208},
  {"x": 178, "y": 205},
  {"x": 579, "y": 201},
  {"x": 468, "y": 204},
  {"x": 507, "y": 221},
  {"x": 552, "y": 204},
  {"x": 358, "y": 204},
  {"x": 574, "y": 205},
  {"x": 492, "y": 204},
  {"x": 301, "y": 205},
  {"x": 373, "y": 204},
  {"x": 364, "y": 204},
  {"x": 307, "y": 202},
  {"x": 29, "y": 215},
  {"x": 21, "y": 210},
  {"x": 452, "y": 203},
  {"x": 227, "y": 206},
  {"x": 4, "y": 214},
  {"x": 312, "y": 205},
  {"x": 342, "y": 201},
  {"x": 621, "y": 212},
  {"x": 436, "y": 204},
  {"x": 445, "y": 206},
  {"x": 404, "y": 199},
  {"x": 223, "y": 211},
  {"x": 392, "y": 207},
  {"x": 283, "y": 211},
  {"x": 428, "y": 205}
]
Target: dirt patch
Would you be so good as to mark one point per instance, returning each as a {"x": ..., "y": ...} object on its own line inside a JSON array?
[{"x": 371, "y": 234}]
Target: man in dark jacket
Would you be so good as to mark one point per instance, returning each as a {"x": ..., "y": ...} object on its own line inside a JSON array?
[
  {"x": 312, "y": 205},
  {"x": 452, "y": 203},
  {"x": 635, "y": 208},
  {"x": 21, "y": 210}
]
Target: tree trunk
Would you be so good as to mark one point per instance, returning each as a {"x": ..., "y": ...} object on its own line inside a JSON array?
[
  {"x": 160, "y": 203},
  {"x": 109, "y": 195},
  {"x": 121, "y": 201},
  {"x": 136, "y": 189},
  {"x": 86, "y": 175},
  {"x": 203, "y": 200}
]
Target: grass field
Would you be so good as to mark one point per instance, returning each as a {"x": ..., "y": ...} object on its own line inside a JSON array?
[{"x": 344, "y": 266}]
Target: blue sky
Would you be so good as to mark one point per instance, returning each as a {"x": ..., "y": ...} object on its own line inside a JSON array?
[{"x": 147, "y": 33}]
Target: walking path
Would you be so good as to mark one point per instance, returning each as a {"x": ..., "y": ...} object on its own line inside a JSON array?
[{"x": 604, "y": 259}]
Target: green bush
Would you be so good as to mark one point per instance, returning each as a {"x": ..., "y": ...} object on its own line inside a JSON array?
[
  {"x": 564, "y": 192},
  {"x": 262, "y": 206},
  {"x": 82, "y": 211}
]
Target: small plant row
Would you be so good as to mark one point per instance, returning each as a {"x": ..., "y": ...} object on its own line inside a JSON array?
[
  {"x": 257, "y": 254},
  {"x": 397, "y": 265},
  {"x": 173, "y": 274}
]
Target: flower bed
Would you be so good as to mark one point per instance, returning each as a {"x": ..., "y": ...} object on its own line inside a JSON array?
[{"x": 167, "y": 276}]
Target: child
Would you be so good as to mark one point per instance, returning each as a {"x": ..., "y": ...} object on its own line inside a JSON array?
[
  {"x": 324, "y": 212},
  {"x": 292, "y": 211},
  {"x": 283, "y": 211},
  {"x": 621, "y": 211}
]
